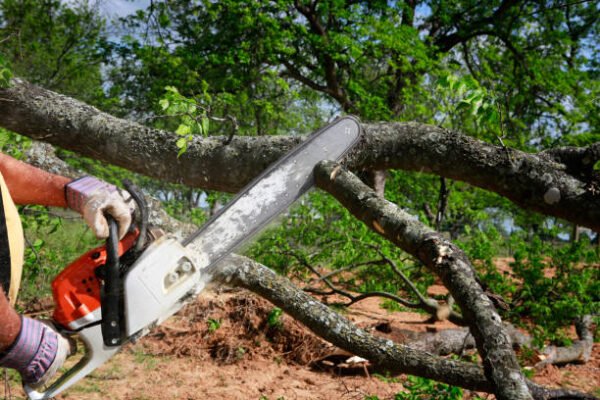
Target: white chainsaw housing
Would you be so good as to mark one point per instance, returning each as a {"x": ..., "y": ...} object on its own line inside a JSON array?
[{"x": 158, "y": 284}]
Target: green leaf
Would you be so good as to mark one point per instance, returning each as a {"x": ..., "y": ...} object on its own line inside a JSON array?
[
  {"x": 163, "y": 20},
  {"x": 5, "y": 77},
  {"x": 164, "y": 104},
  {"x": 183, "y": 130},
  {"x": 181, "y": 143}
]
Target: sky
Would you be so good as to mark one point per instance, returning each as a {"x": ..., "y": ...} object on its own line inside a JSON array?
[
  {"x": 122, "y": 7},
  {"x": 116, "y": 8}
]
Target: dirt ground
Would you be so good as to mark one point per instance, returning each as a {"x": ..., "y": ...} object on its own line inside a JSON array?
[{"x": 234, "y": 346}]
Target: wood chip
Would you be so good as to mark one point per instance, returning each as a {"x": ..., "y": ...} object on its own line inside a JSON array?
[{"x": 378, "y": 227}]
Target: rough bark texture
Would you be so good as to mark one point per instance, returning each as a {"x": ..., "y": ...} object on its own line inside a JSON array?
[
  {"x": 535, "y": 182},
  {"x": 456, "y": 341},
  {"x": 444, "y": 259},
  {"x": 579, "y": 351}
]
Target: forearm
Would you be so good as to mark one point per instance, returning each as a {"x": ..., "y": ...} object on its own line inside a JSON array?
[
  {"x": 30, "y": 185},
  {"x": 11, "y": 323}
]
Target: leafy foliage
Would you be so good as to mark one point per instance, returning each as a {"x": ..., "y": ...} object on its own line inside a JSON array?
[
  {"x": 320, "y": 233},
  {"x": 559, "y": 284},
  {"x": 548, "y": 284},
  {"x": 192, "y": 116},
  {"x": 421, "y": 388},
  {"x": 274, "y": 318},
  {"x": 13, "y": 144},
  {"x": 56, "y": 241},
  {"x": 464, "y": 100},
  {"x": 213, "y": 324}
]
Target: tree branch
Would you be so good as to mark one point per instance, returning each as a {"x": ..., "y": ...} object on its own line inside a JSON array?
[
  {"x": 531, "y": 181},
  {"x": 324, "y": 322},
  {"x": 445, "y": 260}
]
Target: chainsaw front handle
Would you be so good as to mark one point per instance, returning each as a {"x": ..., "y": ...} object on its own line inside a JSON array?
[{"x": 112, "y": 290}]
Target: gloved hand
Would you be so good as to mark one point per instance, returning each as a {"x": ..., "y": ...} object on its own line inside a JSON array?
[
  {"x": 92, "y": 198},
  {"x": 38, "y": 352}
]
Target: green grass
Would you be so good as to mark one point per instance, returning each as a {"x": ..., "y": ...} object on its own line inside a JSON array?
[{"x": 148, "y": 361}]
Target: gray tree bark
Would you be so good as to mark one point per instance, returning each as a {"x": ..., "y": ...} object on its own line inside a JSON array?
[{"x": 558, "y": 183}]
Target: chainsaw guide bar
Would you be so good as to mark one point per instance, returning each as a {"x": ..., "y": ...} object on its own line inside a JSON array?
[{"x": 271, "y": 193}]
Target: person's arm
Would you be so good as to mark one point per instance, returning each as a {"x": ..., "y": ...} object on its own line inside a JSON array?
[
  {"x": 31, "y": 185},
  {"x": 91, "y": 197}
]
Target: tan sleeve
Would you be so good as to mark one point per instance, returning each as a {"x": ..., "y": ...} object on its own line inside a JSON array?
[{"x": 15, "y": 241}]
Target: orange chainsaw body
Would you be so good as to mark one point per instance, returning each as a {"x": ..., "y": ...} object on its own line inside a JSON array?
[{"x": 76, "y": 290}]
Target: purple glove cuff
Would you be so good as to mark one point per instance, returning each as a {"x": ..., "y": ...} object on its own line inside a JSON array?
[
  {"x": 78, "y": 191},
  {"x": 33, "y": 351}
]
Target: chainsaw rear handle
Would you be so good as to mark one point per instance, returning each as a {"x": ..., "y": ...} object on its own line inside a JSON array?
[{"x": 142, "y": 206}]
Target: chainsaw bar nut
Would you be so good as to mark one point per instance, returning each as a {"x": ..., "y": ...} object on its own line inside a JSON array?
[
  {"x": 172, "y": 277},
  {"x": 92, "y": 198},
  {"x": 186, "y": 267}
]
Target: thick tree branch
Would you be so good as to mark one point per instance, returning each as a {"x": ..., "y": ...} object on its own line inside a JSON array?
[
  {"x": 579, "y": 161},
  {"x": 243, "y": 272},
  {"x": 455, "y": 341},
  {"x": 579, "y": 351},
  {"x": 444, "y": 259},
  {"x": 531, "y": 181}
]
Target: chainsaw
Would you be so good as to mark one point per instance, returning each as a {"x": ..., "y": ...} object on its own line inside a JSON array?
[{"x": 117, "y": 293}]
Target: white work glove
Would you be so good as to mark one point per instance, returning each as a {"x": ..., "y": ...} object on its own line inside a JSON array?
[{"x": 92, "y": 198}]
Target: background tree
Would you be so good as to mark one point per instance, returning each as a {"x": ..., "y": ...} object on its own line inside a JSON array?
[
  {"x": 55, "y": 45},
  {"x": 531, "y": 61}
]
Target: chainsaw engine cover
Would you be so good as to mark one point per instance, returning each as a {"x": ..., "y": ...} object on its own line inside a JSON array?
[
  {"x": 76, "y": 290},
  {"x": 158, "y": 283}
]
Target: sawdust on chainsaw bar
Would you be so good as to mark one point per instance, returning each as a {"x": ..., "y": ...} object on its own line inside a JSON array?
[{"x": 235, "y": 345}]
